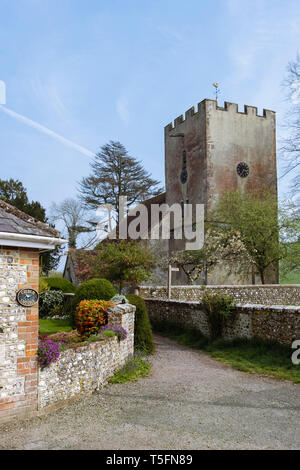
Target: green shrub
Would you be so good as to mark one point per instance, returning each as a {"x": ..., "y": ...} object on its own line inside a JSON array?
[
  {"x": 109, "y": 333},
  {"x": 43, "y": 285},
  {"x": 57, "y": 311},
  {"x": 143, "y": 337},
  {"x": 220, "y": 309},
  {"x": 48, "y": 301},
  {"x": 58, "y": 283},
  {"x": 94, "y": 289}
]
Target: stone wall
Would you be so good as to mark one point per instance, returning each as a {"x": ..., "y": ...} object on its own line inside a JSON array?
[
  {"x": 18, "y": 334},
  {"x": 267, "y": 294},
  {"x": 280, "y": 323},
  {"x": 81, "y": 370}
]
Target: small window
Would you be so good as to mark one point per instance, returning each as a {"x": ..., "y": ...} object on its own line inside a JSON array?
[{"x": 184, "y": 174}]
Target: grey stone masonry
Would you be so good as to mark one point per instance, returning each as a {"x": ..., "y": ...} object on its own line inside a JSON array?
[
  {"x": 267, "y": 294},
  {"x": 278, "y": 322},
  {"x": 84, "y": 369}
]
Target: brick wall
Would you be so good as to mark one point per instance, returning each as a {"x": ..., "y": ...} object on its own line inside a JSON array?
[{"x": 18, "y": 334}]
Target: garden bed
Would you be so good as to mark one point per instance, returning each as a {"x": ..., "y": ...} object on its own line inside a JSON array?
[{"x": 85, "y": 364}]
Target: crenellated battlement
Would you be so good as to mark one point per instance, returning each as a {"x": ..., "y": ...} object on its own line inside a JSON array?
[{"x": 213, "y": 105}]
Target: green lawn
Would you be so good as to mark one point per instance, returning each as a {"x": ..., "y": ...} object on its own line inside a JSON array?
[
  {"x": 291, "y": 278},
  {"x": 248, "y": 355},
  {"x": 257, "y": 358},
  {"x": 48, "y": 327}
]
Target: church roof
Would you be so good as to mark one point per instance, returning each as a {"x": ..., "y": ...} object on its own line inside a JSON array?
[{"x": 159, "y": 199}]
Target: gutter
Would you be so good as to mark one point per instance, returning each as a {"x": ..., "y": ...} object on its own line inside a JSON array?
[{"x": 30, "y": 241}]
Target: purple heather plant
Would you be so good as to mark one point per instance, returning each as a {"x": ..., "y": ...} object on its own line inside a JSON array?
[
  {"x": 119, "y": 331},
  {"x": 48, "y": 352}
]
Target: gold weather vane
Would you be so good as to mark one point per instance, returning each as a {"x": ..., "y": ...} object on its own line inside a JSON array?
[{"x": 216, "y": 85}]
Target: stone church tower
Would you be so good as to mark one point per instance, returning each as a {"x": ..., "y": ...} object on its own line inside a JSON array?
[
  {"x": 216, "y": 149},
  {"x": 207, "y": 152}
]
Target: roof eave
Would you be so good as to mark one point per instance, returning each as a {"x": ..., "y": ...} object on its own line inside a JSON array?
[{"x": 30, "y": 241}]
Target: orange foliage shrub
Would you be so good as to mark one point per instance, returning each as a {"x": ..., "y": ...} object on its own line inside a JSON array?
[{"x": 91, "y": 315}]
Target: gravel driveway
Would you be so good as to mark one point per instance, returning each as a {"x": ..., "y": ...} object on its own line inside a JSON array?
[{"x": 189, "y": 401}]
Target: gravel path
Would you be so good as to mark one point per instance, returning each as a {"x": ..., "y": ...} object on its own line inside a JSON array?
[{"x": 189, "y": 401}]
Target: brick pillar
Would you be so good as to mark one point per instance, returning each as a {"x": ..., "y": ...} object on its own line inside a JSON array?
[{"x": 18, "y": 334}]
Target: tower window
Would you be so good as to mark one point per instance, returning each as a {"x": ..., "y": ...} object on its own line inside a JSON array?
[{"x": 184, "y": 174}]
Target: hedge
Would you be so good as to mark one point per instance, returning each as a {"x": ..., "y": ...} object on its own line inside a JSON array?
[
  {"x": 94, "y": 289},
  {"x": 143, "y": 337},
  {"x": 58, "y": 283}
]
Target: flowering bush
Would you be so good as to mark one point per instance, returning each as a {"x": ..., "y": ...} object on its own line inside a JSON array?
[
  {"x": 90, "y": 315},
  {"x": 48, "y": 352},
  {"x": 48, "y": 300},
  {"x": 119, "y": 331},
  {"x": 220, "y": 246}
]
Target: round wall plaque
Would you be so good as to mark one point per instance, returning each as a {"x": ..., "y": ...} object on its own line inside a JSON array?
[{"x": 27, "y": 297}]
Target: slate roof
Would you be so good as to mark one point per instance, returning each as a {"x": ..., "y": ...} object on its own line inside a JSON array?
[
  {"x": 159, "y": 199},
  {"x": 13, "y": 220}
]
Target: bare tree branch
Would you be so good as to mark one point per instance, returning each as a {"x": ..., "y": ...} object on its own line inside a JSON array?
[{"x": 290, "y": 149}]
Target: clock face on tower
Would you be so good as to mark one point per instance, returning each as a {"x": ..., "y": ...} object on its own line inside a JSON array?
[
  {"x": 242, "y": 169},
  {"x": 27, "y": 297}
]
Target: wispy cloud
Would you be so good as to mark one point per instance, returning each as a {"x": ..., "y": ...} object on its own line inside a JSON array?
[
  {"x": 47, "y": 93},
  {"x": 256, "y": 32},
  {"x": 47, "y": 131},
  {"x": 122, "y": 107}
]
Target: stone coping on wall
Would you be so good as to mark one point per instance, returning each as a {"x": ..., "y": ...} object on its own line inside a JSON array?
[
  {"x": 221, "y": 286},
  {"x": 279, "y": 323},
  {"x": 265, "y": 294},
  {"x": 240, "y": 306}
]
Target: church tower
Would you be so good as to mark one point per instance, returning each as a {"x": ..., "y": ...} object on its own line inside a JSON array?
[{"x": 217, "y": 149}]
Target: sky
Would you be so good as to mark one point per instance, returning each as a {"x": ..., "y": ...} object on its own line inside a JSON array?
[{"x": 92, "y": 71}]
